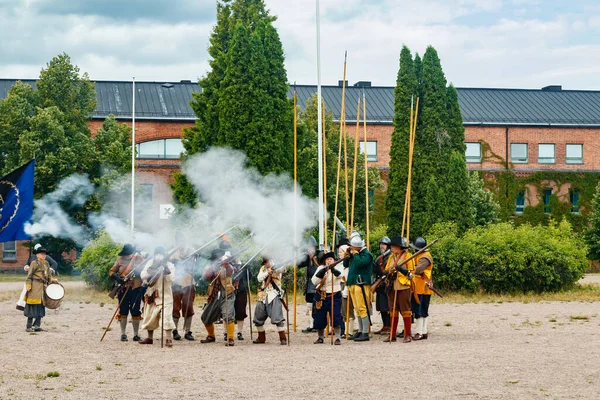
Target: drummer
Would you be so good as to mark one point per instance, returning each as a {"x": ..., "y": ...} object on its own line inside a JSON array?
[
  {"x": 37, "y": 277},
  {"x": 53, "y": 265}
]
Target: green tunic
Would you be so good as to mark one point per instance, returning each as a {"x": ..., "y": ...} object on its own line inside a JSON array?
[{"x": 360, "y": 264}]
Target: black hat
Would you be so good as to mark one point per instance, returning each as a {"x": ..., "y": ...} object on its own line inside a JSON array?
[
  {"x": 128, "y": 250},
  {"x": 41, "y": 250},
  {"x": 325, "y": 256},
  {"x": 265, "y": 260},
  {"x": 419, "y": 243},
  {"x": 160, "y": 250},
  {"x": 224, "y": 245},
  {"x": 344, "y": 242},
  {"x": 399, "y": 241},
  {"x": 216, "y": 254}
]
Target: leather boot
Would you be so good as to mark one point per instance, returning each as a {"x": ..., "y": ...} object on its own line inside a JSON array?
[
  {"x": 262, "y": 338},
  {"x": 282, "y": 338},
  {"x": 407, "y": 327},
  {"x": 393, "y": 329}
]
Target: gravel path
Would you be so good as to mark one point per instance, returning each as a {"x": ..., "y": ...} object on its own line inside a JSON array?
[{"x": 480, "y": 351}]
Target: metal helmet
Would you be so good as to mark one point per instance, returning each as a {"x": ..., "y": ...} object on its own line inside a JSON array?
[
  {"x": 385, "y": 240},
  {"x": 356, "y": 241},
  {"x": 419, "y": 243},
  {"x": 311, "y": 241}
]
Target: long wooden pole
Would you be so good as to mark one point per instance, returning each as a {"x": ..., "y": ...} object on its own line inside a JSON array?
[
  {"x": 342, "y": 113},
  {"x": 325, "y": 179},
  {"x": 366, "y": 166},
  {"x": 406, "y": 195},
  {"x": 412, "y": 150},
  {"x": 332, "y": 316},
  {"x": 346, "y": 186},
  {"x": 295, "y": 202},
  {"x": 356, "y": 140}
]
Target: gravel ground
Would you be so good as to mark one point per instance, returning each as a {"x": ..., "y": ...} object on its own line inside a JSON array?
[{"x": 481, "y": 351}]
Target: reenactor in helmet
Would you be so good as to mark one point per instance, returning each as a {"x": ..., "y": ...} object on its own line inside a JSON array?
[{"x": 423, "y": 283}]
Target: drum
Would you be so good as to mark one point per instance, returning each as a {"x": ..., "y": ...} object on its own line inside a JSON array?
[{"x": 54, "y": 295}]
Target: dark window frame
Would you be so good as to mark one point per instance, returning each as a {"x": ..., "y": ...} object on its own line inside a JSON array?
[
  {"x": 520, "y": 205},
  {"x": 9, "y": 251},
  {"x": 547, "y": 199}
]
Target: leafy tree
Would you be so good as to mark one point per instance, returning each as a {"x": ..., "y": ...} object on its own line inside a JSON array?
[
  {"x": 484, "y": 207},
  {"x": 97, "y": 259}
]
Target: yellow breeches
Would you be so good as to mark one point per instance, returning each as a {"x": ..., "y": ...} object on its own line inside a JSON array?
[
  {"x": 230, "y": 330},
  {"x": 358, "y": 301}
]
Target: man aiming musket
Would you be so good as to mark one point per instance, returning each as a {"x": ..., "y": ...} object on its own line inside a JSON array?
[
  {"x": 158, "y": 300},
  {"x": 184, "y": 287},
  {"x": 270, "y": 303},
  {"x": 130, "y": 290},
  {"x": 328, "y": 280},
  {"x": 360, "y": 271}
]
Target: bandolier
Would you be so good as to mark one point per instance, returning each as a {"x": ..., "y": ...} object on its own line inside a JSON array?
[
  {"x": 329, "y": 289},
  {"x": 270, "y": 302},
  {"x": 38, "y": 277}
]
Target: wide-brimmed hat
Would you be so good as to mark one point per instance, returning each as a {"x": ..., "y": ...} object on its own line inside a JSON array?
[
  {"x": 41, "y": 250},
  {"x": 225, "y": 245},
  {"x": 325, "y": 256},
  {"x": 128, "y": 250},
  {"x": 399, "y": 241},
  {"x": 344, "y": 241},
  {"x": 216, "y": 254}
]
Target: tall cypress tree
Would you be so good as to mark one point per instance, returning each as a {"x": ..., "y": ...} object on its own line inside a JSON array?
[{"x": 406, "y": 89}]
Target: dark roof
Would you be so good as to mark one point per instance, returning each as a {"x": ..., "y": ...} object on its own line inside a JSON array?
[{"x": 479, "y": 106}]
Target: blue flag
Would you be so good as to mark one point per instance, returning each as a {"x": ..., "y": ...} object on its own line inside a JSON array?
[{"x": 16, "y": 202}]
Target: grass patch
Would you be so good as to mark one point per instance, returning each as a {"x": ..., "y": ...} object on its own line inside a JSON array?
[
  {"x": 53, "y": 374},
  {"x": 584, "y": 292},
  {"x": 579, "y": 318},
  {"x": 120, "y": 365},
  {"x": 552, "y": 320},
  {"x": 448, "y": 324},
  {"x": 21, "y": 278},
  {"x": 98, "y": 367},
  {"x": 68, "y": 390}
]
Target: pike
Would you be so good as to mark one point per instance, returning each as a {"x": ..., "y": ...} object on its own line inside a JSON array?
[
  {"x": 393, "y": 270},
  {"x": 208, "y": 243}
]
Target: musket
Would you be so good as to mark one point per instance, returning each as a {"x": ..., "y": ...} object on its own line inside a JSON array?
[
  {"x": 209, "y": 243},
  {"x": 129, "y": 275},
  {"x": 241, "y": 271},
  {"x": 434, "y": 290},
  {"x": 329, "y": 268},
  {"x": 393, "y": 270}
]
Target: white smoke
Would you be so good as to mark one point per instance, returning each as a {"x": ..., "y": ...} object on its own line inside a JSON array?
[
  {"x": 233, "y": 195},
  {"x": 50, "y": 216}
]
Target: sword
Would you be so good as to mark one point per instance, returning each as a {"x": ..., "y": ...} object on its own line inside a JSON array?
[{"x": 434, "y": 290}]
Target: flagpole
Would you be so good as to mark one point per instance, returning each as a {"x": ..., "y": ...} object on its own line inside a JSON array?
[
  {"x": 320, "y": 130},
  {"x": 133, "y": 159}
]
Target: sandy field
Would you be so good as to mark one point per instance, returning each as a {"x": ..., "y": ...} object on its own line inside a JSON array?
[{"x": 474, "y": 351}]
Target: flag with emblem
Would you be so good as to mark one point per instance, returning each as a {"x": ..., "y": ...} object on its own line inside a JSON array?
[{"x": 16, "y": 202}]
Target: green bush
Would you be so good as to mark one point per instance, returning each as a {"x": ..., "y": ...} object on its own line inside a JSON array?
[
  {"x": 96, "y": 259},
  {"x": 503, "y": 258}
]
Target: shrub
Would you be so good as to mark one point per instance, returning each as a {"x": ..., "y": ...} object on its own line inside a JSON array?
[
  {"x": 502, "y": 258},
  {"x": 96, "y": 260}
]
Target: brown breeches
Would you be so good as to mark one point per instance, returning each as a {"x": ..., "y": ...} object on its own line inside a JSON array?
[
  {"x": 183, "y": 301},
  {"x": 402, "y": 302}
]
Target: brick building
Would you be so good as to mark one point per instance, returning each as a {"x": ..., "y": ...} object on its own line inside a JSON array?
[{"x": 522, "y": 130}]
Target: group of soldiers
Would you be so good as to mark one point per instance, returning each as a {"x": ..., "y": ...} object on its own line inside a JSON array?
[{"x": 338, "y": 292}]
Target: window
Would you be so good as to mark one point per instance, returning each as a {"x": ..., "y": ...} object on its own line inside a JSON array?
[
  {"x": 371, "y": 150},
  {"x": 547, "y": 194},
  {"x": 574, "y": 154},
  {"x": 519, "y": 153},
  {"x": 162, "y": 148},
  {"x": 574, "y": 197},
  {"x": 520, "y": 203},
  {"x": 546, "y": 154},
  {"x": 9, "y": 251},
  {"x": 473, "y": 153}
]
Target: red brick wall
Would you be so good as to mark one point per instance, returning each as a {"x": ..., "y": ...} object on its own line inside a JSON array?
[
  {"x": 150, "y": 130},
  {"x": 495, "y": 137},
  {"x": 22, "y": 256}
]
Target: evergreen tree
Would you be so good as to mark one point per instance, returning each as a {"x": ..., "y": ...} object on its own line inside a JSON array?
[
  {"x": 244, "y": 102},
  {"x": 404, "y": 93}
]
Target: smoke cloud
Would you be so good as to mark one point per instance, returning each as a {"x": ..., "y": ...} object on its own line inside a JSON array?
[{"x": 231, "y": 193}]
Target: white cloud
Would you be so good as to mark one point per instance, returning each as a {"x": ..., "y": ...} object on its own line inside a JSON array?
[{"x": 486, "y": 43}]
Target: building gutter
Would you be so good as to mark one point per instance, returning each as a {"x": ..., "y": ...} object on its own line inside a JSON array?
[{"x": 532, "y": 124}]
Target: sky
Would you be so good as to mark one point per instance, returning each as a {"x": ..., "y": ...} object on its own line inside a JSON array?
[{"x": 481, "y": 43}]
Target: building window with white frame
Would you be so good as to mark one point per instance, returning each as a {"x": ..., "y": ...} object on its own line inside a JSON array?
[
  {"x": 161, "y": 148},
  {"x": 519, "y": 153},
  {"x": 473, "y": 152},
  {"x": 371, "y": 150},
  {"x": 574, "y": 154},
  {"x": 546, "y": 153},
  {"x": 9, "y": 251}
]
